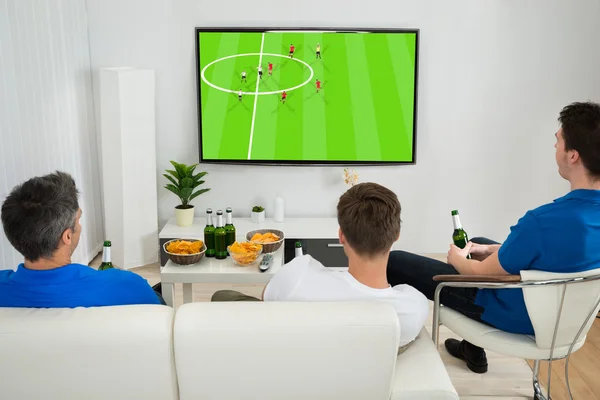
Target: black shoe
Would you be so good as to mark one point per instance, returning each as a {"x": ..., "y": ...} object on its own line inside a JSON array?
[{"x": 473, "y": 355}]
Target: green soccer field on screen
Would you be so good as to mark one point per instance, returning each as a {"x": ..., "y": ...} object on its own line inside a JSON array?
[{"x": 307, "y": 96}]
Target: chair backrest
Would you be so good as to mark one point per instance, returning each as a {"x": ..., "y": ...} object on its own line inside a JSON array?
[
  {"x": 543, "y": 305},
  {"x": 285, "y": 350},
  {"x": 117, "y": 353}
]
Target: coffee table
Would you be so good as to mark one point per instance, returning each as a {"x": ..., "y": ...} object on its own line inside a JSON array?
[{"x": 211, "y": 270}]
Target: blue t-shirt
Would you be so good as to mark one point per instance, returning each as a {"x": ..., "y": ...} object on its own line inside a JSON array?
[
  {"x": 73, "y": 285},
  {"x": 563, "y": 237}
]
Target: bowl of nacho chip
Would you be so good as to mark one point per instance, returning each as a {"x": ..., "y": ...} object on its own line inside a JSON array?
[
  {"x": 244, "y": 253},
  {"x": 185, "y": 251},
  {"x": 271, "y": 239}
]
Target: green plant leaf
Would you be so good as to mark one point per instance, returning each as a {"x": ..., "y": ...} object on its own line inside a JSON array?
[
  {"x": 180, "y": 170},
  {"x": 190, "y": 170},
  {"x": 170, "y": 178},
  {"x": 186, "y": 183},
  {"x": 174, "y": 173},
  {"x": 186, "y": 192},
  {"x": 198, "y": 193},
  {"x": 173, "y": 189},
  {"x": 199, "y": 175}
]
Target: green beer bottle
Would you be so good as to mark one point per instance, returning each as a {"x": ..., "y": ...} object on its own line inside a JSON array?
[
  {"x": 220, "y": 238},
  {"x": 229, "y": 228},
  {"x": 209, "y": 234},
  {"x": 459, "y": 236},
  {"x": 106, "y": 263}
]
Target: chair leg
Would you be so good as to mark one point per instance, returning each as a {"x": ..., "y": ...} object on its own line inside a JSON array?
[
  {"x": 537, "y": 387},
  {"x": 435, "y": 329}
]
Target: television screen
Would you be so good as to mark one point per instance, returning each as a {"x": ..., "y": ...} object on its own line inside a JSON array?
[{"x": 275, "y": 96}]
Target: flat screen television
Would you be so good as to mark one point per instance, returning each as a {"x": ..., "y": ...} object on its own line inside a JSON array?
[{"x": 307, "y": 96}]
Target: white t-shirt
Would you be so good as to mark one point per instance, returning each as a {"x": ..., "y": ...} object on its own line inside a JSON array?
[{"x": 306, "y": 279}]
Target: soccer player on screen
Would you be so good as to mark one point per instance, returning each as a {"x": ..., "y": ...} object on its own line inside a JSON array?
[
  {"x": 260, "y": 71},
  {"x": 244, "y": 77},
  {"x": 270, "y": 68},
  {"x": 318, "y": 85},
  {"x": 240, "y": 95},
  {"x": 318, "y": 50},
  {"x": 283, "y": 96},
  {"x": 292, "y": 48}
]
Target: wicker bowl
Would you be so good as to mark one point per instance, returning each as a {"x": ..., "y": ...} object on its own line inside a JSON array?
[
  {"x": 185, "y": 259},
  {"x": 267, "y": 247}
]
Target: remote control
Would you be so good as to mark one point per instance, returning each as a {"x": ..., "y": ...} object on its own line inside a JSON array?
[{"x": 265, "y": 263}]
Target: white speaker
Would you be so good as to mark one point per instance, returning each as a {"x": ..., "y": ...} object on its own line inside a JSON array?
[{"x": 128, "y": 154}]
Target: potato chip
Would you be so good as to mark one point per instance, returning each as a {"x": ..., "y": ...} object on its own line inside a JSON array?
[
  {"x": 245, "y": 253},
  {"x": 185, "y": 247},
  {"x": 268, "y": 237}
]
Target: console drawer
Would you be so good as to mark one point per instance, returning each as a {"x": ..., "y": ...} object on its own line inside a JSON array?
[{"x": 328, "y": 251}]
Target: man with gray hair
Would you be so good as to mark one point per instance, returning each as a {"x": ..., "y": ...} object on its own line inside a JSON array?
[{"x": 41, "y": 220}]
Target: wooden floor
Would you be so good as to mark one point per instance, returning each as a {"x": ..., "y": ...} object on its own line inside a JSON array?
[
  {"x": 507, "y": 378},
  {"x": 584, "y": 370}
]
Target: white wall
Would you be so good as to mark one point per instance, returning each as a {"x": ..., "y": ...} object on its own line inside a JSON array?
[
  {"x": 46, "y": 108},
  {"x": 493, "y": 76}
]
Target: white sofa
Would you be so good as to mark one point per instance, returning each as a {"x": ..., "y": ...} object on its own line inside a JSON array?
[{"x": 220, "y": 351}]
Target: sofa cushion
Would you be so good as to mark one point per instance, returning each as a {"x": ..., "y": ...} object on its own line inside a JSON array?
[{"x": 122, "y": 352}]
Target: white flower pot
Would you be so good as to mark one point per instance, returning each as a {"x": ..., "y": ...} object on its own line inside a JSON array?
[
  {"x": 258, "y": 217},
  {"x": 185, "y": 216}
]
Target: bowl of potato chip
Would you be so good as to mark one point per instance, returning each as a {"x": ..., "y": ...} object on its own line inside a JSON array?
[
  {"x": 244, "y": 253},
  {"x": 271, "y": 239},
  {"x": 185, "y": 251}
]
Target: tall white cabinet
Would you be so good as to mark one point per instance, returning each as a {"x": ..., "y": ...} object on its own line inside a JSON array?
[{"x": 128, "y": 154}]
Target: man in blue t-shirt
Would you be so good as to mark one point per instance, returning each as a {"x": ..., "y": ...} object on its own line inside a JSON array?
[
  {"x": 562, "y": 236},
  {"x": 41, "y": 220}
]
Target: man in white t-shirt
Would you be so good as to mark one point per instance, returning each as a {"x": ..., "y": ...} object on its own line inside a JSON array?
[{"x": 369, "y": 219}]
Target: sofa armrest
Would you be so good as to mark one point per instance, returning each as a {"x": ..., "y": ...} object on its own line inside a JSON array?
[{"x": 478, "y": 278}]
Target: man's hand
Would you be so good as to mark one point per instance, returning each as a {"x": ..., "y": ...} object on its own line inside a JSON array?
[
  {"x": 480, "y": 252},
  {"x": 456, "y": 254}
]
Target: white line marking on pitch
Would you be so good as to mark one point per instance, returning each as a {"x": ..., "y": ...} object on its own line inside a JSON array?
[
  {"x": 202, "y": 74},
  {"x": 262, "y": 45}
]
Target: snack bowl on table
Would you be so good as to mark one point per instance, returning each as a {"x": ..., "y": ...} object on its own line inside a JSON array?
[
  {"x": 185, "y": 259},
  {"x": 245, "y": 253},
  {"x": 268, "y": 247}
]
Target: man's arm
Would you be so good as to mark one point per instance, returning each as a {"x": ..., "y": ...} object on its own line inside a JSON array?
[
  {"x": 489, "y": 266},
  {"x": 522, "y": 247}
]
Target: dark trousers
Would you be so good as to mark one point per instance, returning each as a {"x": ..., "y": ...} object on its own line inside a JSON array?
[{"x": 418, "y": 272}]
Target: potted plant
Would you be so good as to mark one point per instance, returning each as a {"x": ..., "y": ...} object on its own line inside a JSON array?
[
  {"x": 183, "y": 184},
  {"x": 258, "y": 214}
]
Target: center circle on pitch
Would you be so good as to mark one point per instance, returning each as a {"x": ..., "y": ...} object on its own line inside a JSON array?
[{"x": 202, "y": 74}]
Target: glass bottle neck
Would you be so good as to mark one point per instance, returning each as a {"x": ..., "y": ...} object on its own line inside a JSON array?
[
  {"x": 106, "y": 255},
  {"x": 209, "y": 219},
  {"x": 229, "y": 219},
  {"x": 456, "y": 221},
  {"x": 219, "y": 221}
]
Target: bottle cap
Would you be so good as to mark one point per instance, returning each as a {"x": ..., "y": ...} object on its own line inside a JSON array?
[
  {"x": 209, "y": 210},
  {"x": 107, "y": 243},
  {"x": 454, "y": 212},
  {"x": 298, "y": 244},
  {"x": 228, "y": 209},
  {"x": 219, "y": 212}
]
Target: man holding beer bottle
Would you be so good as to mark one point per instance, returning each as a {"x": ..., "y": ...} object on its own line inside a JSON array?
[{"x": 560, "y": 237}]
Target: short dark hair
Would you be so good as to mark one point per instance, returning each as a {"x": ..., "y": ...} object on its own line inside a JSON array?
[
  {"x": 369, "y": 217},
  {"x": 37, "y": 212},
  {"x": 581, "y": 131}
]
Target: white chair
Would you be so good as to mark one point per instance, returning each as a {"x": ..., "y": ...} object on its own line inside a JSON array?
[{"x": 561, "y": 308}]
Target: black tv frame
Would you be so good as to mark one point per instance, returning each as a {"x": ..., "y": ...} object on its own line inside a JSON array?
[{"x": 308, "y": 163}]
